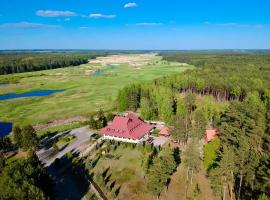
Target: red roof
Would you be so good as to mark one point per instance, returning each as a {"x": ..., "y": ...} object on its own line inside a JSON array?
[
  {"x": 210, "y": 134},
  {"x": 128, "y": 127},
  {"x": 165, "y": 131}
]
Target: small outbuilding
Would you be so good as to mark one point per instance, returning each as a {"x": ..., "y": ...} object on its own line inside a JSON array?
[
  {"x": 210, "y": 134},
  {"x": 164, "y": 132}
]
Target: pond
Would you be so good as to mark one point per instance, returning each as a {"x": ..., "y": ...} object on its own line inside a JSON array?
[
  {"x": 38, "y": 93},
  {"x": 5, "y": 128},
  {"x": 99, "y": 71}
]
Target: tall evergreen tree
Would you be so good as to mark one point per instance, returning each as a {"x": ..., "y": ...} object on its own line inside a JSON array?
[
  {"x": 17, "y": 135},
  {"x": 225, "y": 171},
  {"x": 29, "y": 138},
  {"x": 199, "y": 124},
  {"x": 179, "y": 129},
  {"x": 147, "y": 110}
]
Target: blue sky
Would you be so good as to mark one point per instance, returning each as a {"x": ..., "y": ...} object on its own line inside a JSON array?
[{"x": 135, "y": 24}]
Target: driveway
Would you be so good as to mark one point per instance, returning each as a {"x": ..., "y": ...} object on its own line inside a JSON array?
[{"x": 47, "y": 156}]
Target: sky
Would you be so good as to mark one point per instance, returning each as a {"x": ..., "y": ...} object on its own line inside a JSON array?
[{"x": 135, "y": 24}]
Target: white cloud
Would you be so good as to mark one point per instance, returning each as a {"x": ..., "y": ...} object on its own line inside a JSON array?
[
  {"x": 84, "y": 27},
  {"x": 259, "y": 26},
  {"x": 26, "y": 25},
  {"x": 148, "y": 24},
  {"x": 55, "y": 13},
  {"x": 234, "y": 24},
  {"x": 98, "y": 15},
  {"x": 130, "y": 5}
]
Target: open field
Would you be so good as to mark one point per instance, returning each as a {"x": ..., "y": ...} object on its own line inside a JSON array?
[{"x": 84, "y": 93}]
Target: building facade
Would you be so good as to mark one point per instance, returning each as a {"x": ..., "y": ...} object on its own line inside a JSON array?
[{"x": 127, "y": 129}]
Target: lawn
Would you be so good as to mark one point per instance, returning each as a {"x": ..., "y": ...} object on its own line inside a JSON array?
[
  {"x": 83, "y": 93},
  {"x": 125, "y": 170},
  {"x": 210, "y": 153},
  {"x": 63, "y": 141}
]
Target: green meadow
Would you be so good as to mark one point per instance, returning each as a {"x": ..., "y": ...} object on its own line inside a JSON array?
[{"x": 84, "y": 93}]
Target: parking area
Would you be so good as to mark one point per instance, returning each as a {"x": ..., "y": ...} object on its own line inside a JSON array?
[{"x": 48, "y": 156}]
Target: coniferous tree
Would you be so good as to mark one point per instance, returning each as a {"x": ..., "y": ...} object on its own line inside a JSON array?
[
  {"x": 199, "y": 124},
  {"x": 192, "y": 162},
  {"x": 179, "y": 129},
  {"x": 17, "y": 135},
  {"x": 163, "y": 166},
  {"x": 147, "y": 111},
  {"x": 225, "y": 171},
  {"x": 29, "y": 138}
]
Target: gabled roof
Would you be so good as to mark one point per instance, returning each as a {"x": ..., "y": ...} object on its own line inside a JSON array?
[
  {"x": 165, "y": 131},
  {"x": 128, "y": 127},
  {"x": 210, "y": 134}
]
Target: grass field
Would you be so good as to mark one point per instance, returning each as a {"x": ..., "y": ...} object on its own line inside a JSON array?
[
  {"x": 83, "y": 93},
  {"x": 126, "y": 171}
]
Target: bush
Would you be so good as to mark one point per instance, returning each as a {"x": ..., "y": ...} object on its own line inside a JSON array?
[
  {"x": 155, "y": 133},
  {"x": 69, "y": 155},
  {"x": 75, "y": 161}
]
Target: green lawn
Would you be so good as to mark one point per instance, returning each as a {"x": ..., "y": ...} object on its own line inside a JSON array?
[
  {"x": 83, "y": 93},
  {"x": 126, "y": 171},
  {"x": 210, "y": 153}
]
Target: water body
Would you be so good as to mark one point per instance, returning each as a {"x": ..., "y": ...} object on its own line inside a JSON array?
[
  {"x": 5, "y": 128},
  {"x": 3, "y": 84},
  {"x": 100, "y": 71},
  {"x": 97, "y": 72},
  {"x": 38, "y": 93}
]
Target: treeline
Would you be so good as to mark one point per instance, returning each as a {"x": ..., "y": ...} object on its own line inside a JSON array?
[
  {"x": 240, "y": 80},
  {"x": 226, "y": 80},
  {"x": 243, "y": 163},
  {"x": 17, "y": 63},
  {"x": 226, "y": 76},
  {"x": 24, "y": 178}
]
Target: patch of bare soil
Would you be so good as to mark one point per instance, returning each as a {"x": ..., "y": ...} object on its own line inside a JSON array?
[
  {"x": 134, "y": 60},
  {"x": 59, "y": 122}
]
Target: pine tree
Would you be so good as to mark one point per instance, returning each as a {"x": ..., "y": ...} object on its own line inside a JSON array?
[
  {"x": 192, "y": 162},
  {"x": 163, "y": 166},
  {"x": 178, "y": 129},
  {"x": 225, "y": 171},
  {"x": 29, "y": 138},
  {"x": 180, "y": 106},
  {"x": 147, "y": 111},
  {"x": 199, "y": 124},
  {"x": 17, "y": 136}
]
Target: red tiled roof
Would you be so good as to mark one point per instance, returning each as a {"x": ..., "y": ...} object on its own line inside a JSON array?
[
  {"x": 165, "y": 131},
  {"x": 210, "y": 134},
  {"x": 128, "y": 127}
]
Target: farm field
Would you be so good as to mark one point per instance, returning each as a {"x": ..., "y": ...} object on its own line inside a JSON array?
[{"x": 85, "y": 90}]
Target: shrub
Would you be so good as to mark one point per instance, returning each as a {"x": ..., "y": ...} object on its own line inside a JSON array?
[
  {"x": 155, "y": 133},
  {"x": 69, "y": 155}
]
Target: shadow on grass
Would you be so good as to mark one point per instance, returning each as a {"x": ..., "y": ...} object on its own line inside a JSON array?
[{"x": 69, "y": 177}]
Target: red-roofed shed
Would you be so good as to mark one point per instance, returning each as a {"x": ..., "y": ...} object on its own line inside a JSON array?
[
  {"x": 129, "y": 128},
  {"x": 210, "y": 134},
  {"x": 164, "y": 132}
]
